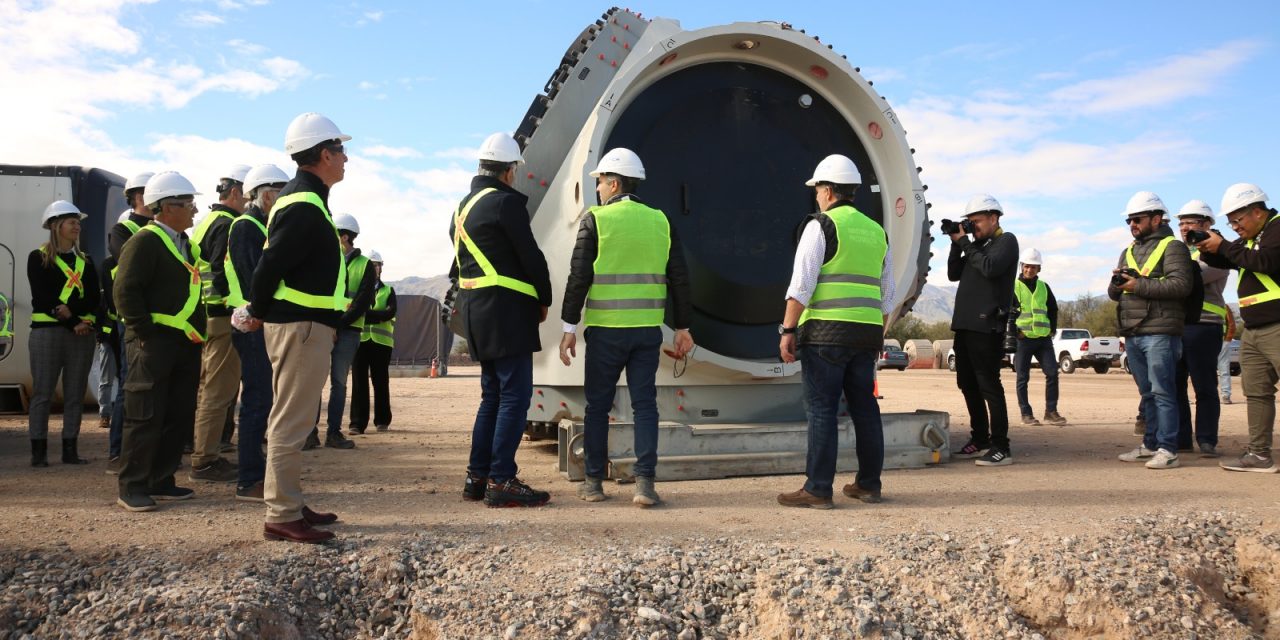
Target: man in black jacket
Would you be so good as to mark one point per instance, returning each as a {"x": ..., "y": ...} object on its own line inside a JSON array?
[
  {"x": 1151, "y": 283},
  {"x": 299, "y": 293},
  {"x": 985, "y": 268},
  {"x": 1257, "y": 255},
  {"x": 504, "y": 293},
  {"x": 626, "y": 258}
]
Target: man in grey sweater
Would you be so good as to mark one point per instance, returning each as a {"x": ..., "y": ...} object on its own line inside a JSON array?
[{"x": 1151, "y": 283}]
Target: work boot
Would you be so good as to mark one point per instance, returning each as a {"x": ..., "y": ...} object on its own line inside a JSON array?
[
  {"x": 1030, "y": 420},
  {"x": 39, "y": 453},
  {"x": 104, "y": 422},
  {"x": 1053, "y": 417},
  {"x": 591, "y": 491},
  {"x": 473, "y": 487},
  {"x": 803, "y": 498},
  {"x": 336, "y": 440},
  {"x": 645, "y": 495},
  {"x": 70, "y": 455},
  {"x": 313, "y": 441},
  {"x": 858, "y": 493},
  {"x": 513, "y": 493},
  {"x": 1139, "y": 426}
]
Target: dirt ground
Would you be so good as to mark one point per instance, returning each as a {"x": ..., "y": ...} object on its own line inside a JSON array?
[{"x": 1066, "y": 480}]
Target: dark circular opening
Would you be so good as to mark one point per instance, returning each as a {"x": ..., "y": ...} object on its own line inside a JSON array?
[{"x": 727, "y": 148}]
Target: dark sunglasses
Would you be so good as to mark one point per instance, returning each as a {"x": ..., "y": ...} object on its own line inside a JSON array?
[
  {"x": 336, "y": 148},
  {"x": 1136, "y": 219}
]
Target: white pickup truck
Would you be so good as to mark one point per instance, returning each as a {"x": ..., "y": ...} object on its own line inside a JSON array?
[{"x": 1077, "y": 348}]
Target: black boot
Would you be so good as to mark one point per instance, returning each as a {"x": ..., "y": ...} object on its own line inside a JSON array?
[
  {"x": 69, "y": 453},
  {"x": 39, "y": 453}
]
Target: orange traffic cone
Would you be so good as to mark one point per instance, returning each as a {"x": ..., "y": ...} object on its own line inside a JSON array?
[
  {"x": 875, "y": 390},
  {"x": 435, "y": 367}
]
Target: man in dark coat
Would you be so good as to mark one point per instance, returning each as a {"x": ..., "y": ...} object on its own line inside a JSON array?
[{"x": 504, "y": 293}]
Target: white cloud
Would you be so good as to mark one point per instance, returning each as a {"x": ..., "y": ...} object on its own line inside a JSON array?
[
  {"x": 467, "y": 154},
  {"x": 246, "y": 48},
  {"x": 373, "y": 16},
  {"x": 453, "y": 180},
  {"x": 394, "y": 153},
  {"x": 284, "y": 69},
  {"x": 228, "y": 5},
  {"x": 366, "y": 85},
  {"x": 203, "y": 19}
]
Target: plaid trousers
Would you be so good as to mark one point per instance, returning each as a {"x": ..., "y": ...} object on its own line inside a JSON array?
[{"x": 56, "y": 351}]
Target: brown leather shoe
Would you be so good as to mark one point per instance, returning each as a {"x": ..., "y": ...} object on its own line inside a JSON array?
[
  {"x": 803, "y": 498},
  {"x": 297, "y": 531},
  {"x": 858, "y": 493},
  {"x": 315, "y": 518}
]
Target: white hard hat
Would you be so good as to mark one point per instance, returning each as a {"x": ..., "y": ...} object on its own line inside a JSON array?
[
  {"x": 622, "y": 162},
  {"x": 264, "y": 174},
  {"x": 237, "y": 172},
  {"x": 57, "y": 209},
  {"x": 309, "y": 130},
  {"x": 374, "y": 256},
  {"x": 1031, "y": 256},
  {"x": 1144, "y": 202},
  {"x": 346, "y": 222},
  {"x": 138, "y": 182},
  {"x": 124, "y": 215},
  {"x": 167, "y": 184},
  {"x": 836, "y": 169},
  {"x": 982, "y": 202},
  {"x": 1241, "y": 195},
  {"x": 1195, "y": 208},
  {"x": 500, "y": 147}
]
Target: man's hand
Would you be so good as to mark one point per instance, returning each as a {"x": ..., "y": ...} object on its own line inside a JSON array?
[
  {"x": 83, "y": 329},
  {"x": 1130, "y": 283},
  {"x": 62, "y": 311},
  {"x": 1211, "y": 244},
  {"x": 787, "y": 347},
  {"x": 568, "y": 347},
  {"x": 955, "y": 237},
  {"x": 684, "y": 342},
  {"x": 252, "y": 324},
  {"x": 544, "y": 315}
]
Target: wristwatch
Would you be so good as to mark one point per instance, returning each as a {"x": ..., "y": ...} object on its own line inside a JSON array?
[{"x": 782, "y": 330}]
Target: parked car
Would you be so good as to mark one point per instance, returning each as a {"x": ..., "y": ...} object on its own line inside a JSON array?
[
  {"x": 1006, "y": 360},
  {"x": 892, "y": 357},
  {"x": 1078, "y": 348}
]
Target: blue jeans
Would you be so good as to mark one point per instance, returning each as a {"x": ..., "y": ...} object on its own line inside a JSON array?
[
  {"x": 1154, "y": 363},
  {"x": 506, "y": 385},
  {"x": 829, "y": 371},
  {"x": 107, "y": 369},
  {"x": 1201, "y": 344},
  {"x": 344, "y": 352},
  {"x": 1042, "y": 349},
  {"x": 1224, "y": 370},
  {"x": 255, "y": 405},
  {"x": 115, "y": 435},
  {"x": 609, "y": 352}
]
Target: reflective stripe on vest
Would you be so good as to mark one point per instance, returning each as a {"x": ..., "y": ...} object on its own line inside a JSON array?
[
  {"x": 206, "y": 269},
  {"x": 74, "y": 281},
  {"x": 133, "y": 230},
  {"x": 235, "y": 292},
  {"x": 629, "y": 286},
  {"x": 382, "y": 333},
  {"x": 1152, "y": 260},
  {"x": 336, "y": 302},
  {"x": 1271, "y": 290},
  {"x": 180, "y": 320},
  {"x": 491, "y": 278},
  {"x": 6, "y": 318},
  {"x": 848, "y": 288},
  {"x": 355, "y": 274},
  {"x": 1033, "y": 322}
]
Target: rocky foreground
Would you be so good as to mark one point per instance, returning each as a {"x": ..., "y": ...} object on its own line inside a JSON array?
[{"x": 1209, "y": 576}]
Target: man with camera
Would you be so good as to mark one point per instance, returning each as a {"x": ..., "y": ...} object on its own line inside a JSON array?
[
  {"x": 1257, "y": 255},
  {"x": 985, "y": 268},
  {"x": 1036, "y": 320},
  {"x": 1201, "y": 340},
  {"x": 1151, "y": 283}
]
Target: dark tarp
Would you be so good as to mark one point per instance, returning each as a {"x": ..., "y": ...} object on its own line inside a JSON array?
[{"x": 418, "y": 332}]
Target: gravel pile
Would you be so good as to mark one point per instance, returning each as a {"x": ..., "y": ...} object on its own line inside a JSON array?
[{"x": 1207, "y": 576}]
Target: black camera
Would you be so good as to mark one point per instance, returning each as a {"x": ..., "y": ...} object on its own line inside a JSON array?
[
  {"x": 1196, "y": 236},
  {"x": 1011, "y": 331},
  {"x": 949, "y": 227},
  {"x": 1119, "y": 278}
]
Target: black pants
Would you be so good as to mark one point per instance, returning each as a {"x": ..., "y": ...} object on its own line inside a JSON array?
[
  {"x": 978, "y": 376},
  {"x": 372, "y": 362},
  {"x": 159, "y": 410}
]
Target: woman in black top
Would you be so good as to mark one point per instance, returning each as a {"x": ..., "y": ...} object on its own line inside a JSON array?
[{"x": 64, "y": 299}]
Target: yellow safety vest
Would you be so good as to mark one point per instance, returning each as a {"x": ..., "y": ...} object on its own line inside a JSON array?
[
  {"x": 382, "y": 333},
  {"x": 1033, "y": 322},
  {"x": 1221, "y": 312},
  {"x": 629, "y": 285},
  {"x": 235, "y": 291},
  {"x": 491, "y": 277},
  {"x": 206, "y": 269},
  {"x": 355, "y": 274},
  {"x": 1271, "y": 289},
  {"x": 1152, "y": 260},
  {"x": 848, "y": 287},
  {"x": 181, "y": 319},
  {"x": 6, "y": 317},
  {"x": 336, "y": 302},
  {"x": 74, "y": 282}
]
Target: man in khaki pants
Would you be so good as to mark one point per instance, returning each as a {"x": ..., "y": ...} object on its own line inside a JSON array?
[
  {"x": 220, "y": 363},
  {"x": 299, "y": 291}
]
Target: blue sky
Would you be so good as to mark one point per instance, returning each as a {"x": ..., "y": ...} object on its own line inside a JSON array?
[{"x": 1060, "y": 111}]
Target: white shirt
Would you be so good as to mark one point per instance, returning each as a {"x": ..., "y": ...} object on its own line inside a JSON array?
[{"x": 809, "y": 258}]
